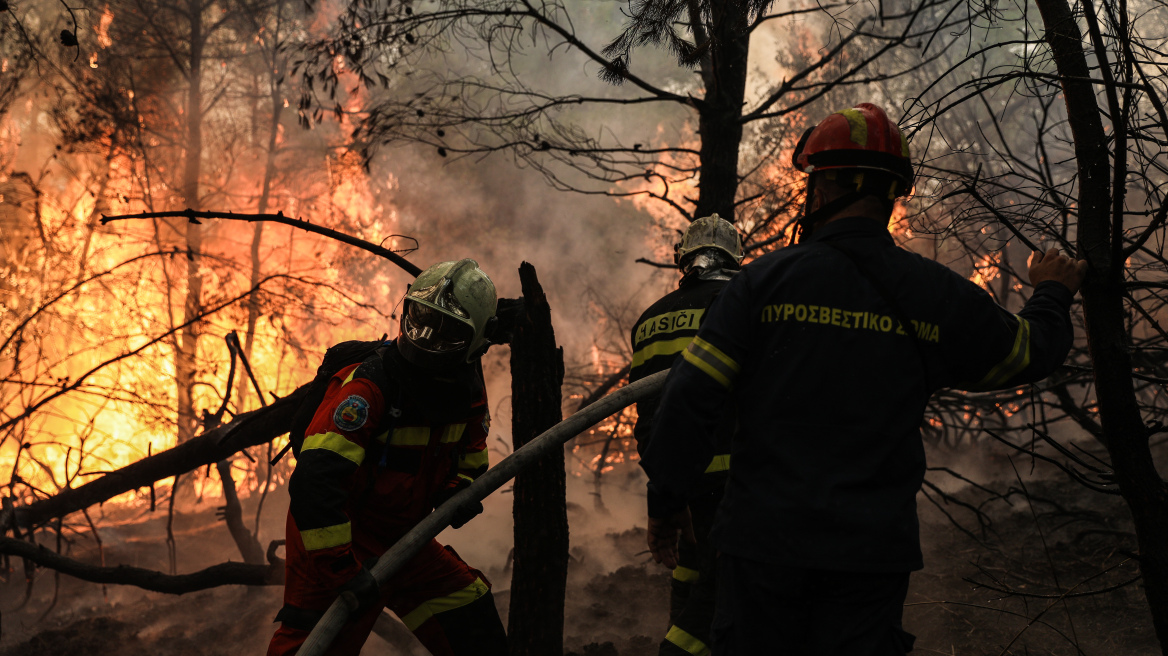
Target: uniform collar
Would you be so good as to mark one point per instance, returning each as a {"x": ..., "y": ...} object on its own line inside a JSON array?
[{"x": 851, "y": 227}]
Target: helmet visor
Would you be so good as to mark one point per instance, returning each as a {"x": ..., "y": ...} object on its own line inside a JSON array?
[{"x": 434, "y": 330}]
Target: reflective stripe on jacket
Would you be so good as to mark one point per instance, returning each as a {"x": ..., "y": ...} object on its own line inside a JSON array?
[
  {"x": 830, "y": 390},
  {"x": 659, "y": 336},
  {"x": 355, "y": 479}
]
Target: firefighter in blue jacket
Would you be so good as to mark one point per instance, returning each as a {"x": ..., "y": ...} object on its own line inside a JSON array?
[
  {"x": 829, "y": 351},
  {"x": 709, "y": 254}
]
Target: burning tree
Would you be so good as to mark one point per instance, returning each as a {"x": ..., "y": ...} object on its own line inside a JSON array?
[
  {"x": 92, "y": 314},
  {"x": 194, "y": 116}
]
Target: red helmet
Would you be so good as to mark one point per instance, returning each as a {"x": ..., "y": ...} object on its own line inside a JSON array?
[{"x": 859, "y": 138}]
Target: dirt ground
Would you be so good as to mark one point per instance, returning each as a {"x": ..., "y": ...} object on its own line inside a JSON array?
[{"x": 1049, "y": 538}]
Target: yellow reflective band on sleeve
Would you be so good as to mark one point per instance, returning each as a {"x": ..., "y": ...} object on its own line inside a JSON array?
[
  {"x": 686, "y": 575},
  {"x": 711, "y": 360},
  {"x": 428, "y": 609},
  {"x": 1014, "y": 363},
  {"x": 466, "y": 478},
  {"x": 329, "y": 536},
  {"x": 687, "y": 642},
  {"x": 858, "y": 125},
  {"x": 336, "y": 443},
  {"x": 720, "y": 463},
  {"x": 667, "y": 347},
  {"x": 410, "y": 436},
  {"x": 453, "y": 433},
  {"x": 474, "y": 460}
]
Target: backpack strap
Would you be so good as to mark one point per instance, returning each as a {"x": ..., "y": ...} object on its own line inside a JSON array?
[{"x": 373, "y": 368}]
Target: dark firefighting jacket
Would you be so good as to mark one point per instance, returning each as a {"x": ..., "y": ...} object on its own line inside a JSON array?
[
  {"x": 365, "y": 474},
  {"x": 830, "y": 390},
  {"x": 659, "y": 336}
]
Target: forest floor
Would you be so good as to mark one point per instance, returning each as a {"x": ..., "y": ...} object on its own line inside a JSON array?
[{"x": 1051, "y": 538}]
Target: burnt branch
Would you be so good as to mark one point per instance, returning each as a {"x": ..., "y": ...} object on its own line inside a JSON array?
[
  {"x": 609, "y": 383},
  {"x": 212, "y": 577},
  {"x": 301, "y": 224}
]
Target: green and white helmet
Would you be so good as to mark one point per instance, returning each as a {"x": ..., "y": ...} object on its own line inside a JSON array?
[
  {"x": 710, "y": 232},
  {"x": 445, "y": 315}
]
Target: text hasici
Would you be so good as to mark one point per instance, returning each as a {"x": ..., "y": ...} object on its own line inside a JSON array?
[
  {"x": 823, "y": 314},
  {"x": 670, "y": 322}
]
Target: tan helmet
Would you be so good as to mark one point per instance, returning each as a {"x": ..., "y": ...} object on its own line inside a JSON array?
[
  {"x": 445, "y": 315},
  {"x": 710, "y": 232}
]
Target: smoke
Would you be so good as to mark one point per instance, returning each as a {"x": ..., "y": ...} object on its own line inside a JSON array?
[{"x": 492, "y": 209}]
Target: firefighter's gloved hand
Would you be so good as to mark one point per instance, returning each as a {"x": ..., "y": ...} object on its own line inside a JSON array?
[
  {"x": 507, "y": 313},
  {"x": 364, "y": 589},
  {"x": 664, "y": 533},
  {"x": 466, "y": 511}
]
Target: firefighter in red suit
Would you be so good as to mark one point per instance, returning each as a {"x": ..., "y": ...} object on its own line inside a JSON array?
[{"x": 395, "y": 436}]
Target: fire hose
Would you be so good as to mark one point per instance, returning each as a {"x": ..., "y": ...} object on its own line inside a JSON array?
[{"x": 408, "y": 546}]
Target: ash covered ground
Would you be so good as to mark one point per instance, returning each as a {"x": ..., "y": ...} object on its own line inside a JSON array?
[{"x": 1055, "y": 541}]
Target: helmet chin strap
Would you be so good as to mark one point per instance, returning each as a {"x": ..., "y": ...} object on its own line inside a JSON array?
[{"x": 811, "y": 217}]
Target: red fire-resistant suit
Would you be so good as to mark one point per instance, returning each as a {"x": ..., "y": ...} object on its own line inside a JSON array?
[{"x": 364, "y": 478}]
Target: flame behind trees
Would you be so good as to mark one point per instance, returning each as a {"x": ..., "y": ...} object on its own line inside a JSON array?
[
  {"x": 80, "y": 297},
  {"x": 468, "y": 79}
]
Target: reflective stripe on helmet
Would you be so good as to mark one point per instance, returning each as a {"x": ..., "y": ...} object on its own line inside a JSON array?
[{"x": 861, "y": 137}]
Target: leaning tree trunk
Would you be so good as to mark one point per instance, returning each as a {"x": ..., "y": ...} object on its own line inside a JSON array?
[
  {"x": 539, "y": 579},
  {"x": 720, "y": 112},
  {"x": 244, "y": 430},
  {"x": 1124, "y": 432}
]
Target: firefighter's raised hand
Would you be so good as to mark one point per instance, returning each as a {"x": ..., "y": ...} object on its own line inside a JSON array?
[
  {"x": 1052, "y": 265},
  {"x": 664, "y": 533}
]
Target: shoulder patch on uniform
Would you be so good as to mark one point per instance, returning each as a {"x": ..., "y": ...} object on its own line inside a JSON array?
[
  {"x": 487, "y": 423},
  {"x": 352, "y": 413}
]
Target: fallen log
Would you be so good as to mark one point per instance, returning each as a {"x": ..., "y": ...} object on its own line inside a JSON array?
[
  {"x": 406, "y": 548},
  {"x": 212, "y": 577},
  {"x": 245, "y": 430}
]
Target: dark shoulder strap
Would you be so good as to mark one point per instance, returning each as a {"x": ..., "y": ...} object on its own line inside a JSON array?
[{"x": 373, "y": 368}]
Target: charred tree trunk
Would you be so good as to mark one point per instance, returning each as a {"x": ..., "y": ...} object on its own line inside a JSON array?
[
  {"x": 720, "y": 113},
  {"x": 539, "y": 581},
  {"x": 188, "y": 343},
  {"x": 1123, "y": 427}
]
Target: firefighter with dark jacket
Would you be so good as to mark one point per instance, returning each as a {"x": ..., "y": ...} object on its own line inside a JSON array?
[
  {"x": 829, "y": 351},
  {"x": 395, "y": 436},
  {"x": 709, "y": 253}
]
